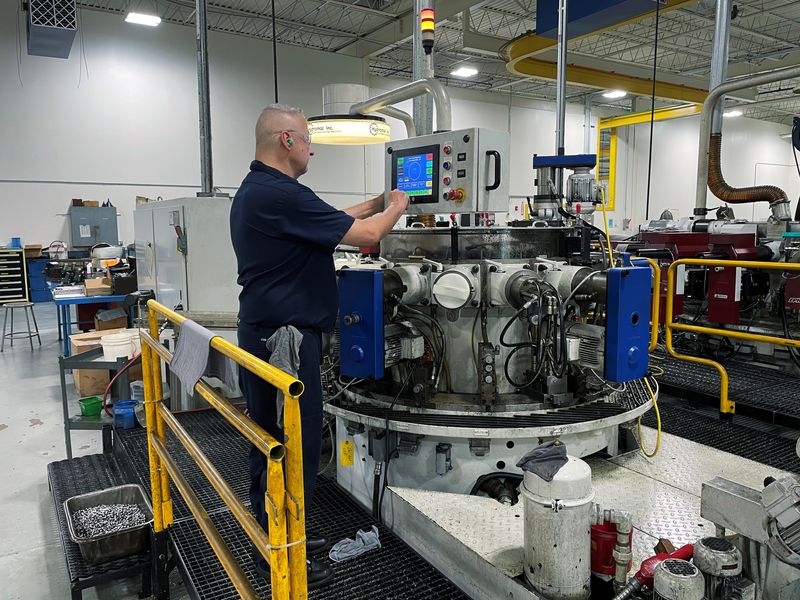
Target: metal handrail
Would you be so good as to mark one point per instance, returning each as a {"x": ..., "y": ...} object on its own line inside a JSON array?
[
  {"x": 656, "y": 303},
  {"x": 284, "y": 544},
  {"x": 726, "y": 406}
]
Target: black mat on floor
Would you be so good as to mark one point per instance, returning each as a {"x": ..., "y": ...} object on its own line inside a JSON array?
[
  {"x": 394, "y": 572},
  {"x": 69, "y": 478}
]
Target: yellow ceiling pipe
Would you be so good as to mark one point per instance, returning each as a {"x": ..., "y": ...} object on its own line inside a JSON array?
[
  {"x": 599, "y": 79},
  {"x": 519, "y": 55}
]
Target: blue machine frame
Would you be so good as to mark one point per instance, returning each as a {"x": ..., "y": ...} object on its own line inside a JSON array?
[
  {"x": 361, "y": 344},
  {"x": 627, "y": 323}
]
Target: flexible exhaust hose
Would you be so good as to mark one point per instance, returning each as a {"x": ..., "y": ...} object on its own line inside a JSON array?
[{"x": 720, "y": 188}]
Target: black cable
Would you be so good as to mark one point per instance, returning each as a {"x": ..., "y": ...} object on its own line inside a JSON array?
[
  {"x": 388, "y": 456},
  {"x": 274, "y": 53},
  {"x": 652, "y": 111}
]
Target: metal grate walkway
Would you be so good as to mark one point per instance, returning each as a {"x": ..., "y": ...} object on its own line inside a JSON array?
[
  {"x": 394, "y": 572},
  {"x": 757, "y": 390}
]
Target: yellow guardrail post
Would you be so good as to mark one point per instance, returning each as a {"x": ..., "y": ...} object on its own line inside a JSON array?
[
  {"x": 726, "y": 406},
  {"x": 275, "y": 505},
  {"x": 150, "y": 415},
  {"x": 655, "y": 305},
  {"x": 284, "y": 498},
  {"x": 296, "y": 496},
  {"x": 166, "y": 501}
]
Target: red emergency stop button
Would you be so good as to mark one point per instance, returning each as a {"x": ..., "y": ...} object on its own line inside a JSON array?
[
  {"x": 456, "y": 194},
  {"x": 447, "y": 149}
]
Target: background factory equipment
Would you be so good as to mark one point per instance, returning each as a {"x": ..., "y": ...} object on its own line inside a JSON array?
[{"x": 570, "y": 371}]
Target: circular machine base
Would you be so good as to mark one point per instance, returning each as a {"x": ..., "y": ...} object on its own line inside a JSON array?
[{"x": 448, "y": 452}]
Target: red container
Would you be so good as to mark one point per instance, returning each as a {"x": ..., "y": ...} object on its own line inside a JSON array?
[{"x": 604, "y": 539}]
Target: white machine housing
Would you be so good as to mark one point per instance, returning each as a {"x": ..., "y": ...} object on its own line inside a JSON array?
[
  {"x": 472, "y": 163},
  {"x": 202, "y": 277}
]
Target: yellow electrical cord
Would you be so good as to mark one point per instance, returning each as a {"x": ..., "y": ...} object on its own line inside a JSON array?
[
  {"x": 658, "y": 424},
  {"x": 605, "y": 222}
]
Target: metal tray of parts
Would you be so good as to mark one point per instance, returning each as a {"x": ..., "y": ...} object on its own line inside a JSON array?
[{"x": 102, "y": 548}]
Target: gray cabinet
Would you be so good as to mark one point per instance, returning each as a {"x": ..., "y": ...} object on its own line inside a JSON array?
[{"x": 90, "y": 225}]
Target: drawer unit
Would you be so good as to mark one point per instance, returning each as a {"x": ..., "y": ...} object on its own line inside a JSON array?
[
  {"x": 37, "y": 282},
  {"x": 13, "y": 276}
]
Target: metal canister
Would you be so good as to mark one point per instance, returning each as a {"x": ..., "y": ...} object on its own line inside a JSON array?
[{"x": 558, "y": 517}]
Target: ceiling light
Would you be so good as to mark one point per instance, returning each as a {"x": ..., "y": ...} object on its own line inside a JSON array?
[
  {"x": 614, "y": 94},
  {"x": 142, "y": 19},
  {"x": 348, "y": 129},
  {"x": 732, "y": 113},
  {"x": 464, "y": 72}
]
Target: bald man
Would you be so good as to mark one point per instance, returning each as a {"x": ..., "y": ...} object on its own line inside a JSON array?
[{"x": 284, "y": 237}]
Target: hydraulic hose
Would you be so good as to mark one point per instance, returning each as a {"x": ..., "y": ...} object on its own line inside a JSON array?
[{"x": 725, "y": 192}]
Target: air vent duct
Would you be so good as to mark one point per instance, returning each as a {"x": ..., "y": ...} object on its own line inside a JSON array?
[{"x": 52, "y": 25}]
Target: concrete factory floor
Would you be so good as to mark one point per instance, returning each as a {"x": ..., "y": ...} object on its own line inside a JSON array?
[{"x": 32, "y": 564}]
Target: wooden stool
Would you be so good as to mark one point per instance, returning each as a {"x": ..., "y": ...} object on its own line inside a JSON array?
[{"x": 28, "y": 333}]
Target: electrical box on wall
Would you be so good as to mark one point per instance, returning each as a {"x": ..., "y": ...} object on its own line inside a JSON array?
[{"x": 52, "y": 25}]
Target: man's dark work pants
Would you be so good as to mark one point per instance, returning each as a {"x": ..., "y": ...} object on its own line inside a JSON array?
[{"x": 261, "y": 404}]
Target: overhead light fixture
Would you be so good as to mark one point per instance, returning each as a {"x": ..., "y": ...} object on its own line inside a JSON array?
[
  {"x": 615, "y": 94},
  {"x": 143, "y": 19},
  {"x": 732, "y": 113},
  {"x": 464, "y": 72},
  {"x": 348, "y": 130}
]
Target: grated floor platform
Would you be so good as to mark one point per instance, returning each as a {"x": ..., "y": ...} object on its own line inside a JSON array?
[
  {"x": 766, "y": 392},
  {"x": 69, "y": 478},
  {"x": 393, "y": 572}
]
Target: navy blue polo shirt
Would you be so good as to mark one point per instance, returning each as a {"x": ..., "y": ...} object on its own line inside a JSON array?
[{"x": 284, "y": 236}]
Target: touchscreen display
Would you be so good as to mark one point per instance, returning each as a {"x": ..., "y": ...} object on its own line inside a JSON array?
[{"x": 416, "y": 172}]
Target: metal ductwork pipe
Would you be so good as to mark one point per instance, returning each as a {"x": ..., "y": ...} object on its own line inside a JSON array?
[
  {"x": 204, "y": 102},
  {"x": 407, "y": 119},
  {"x": 441, "y": 101},
  {"x": 709, "y": 173},
  {"x": 722, "y": 190}
]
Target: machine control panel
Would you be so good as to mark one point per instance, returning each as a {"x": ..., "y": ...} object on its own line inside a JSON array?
[{"x": 451, "y": 172}]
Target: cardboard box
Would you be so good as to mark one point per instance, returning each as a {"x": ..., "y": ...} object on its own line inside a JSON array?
[
  {"x": 33, "y": 250},
  {"x": 91, "y": 203},
  {"x": 114, "y": 318},
  {"x": 93, "y": 382},
  {"x": 99, "y": 286}
]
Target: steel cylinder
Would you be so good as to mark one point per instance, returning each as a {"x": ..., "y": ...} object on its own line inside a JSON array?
[{"x": 558, "y": 517}]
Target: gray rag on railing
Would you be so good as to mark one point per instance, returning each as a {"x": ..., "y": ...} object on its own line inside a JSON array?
[
  {"x": 195, "y": 357},
  {"x": 545, "y": 460},
  {"x": 284, "y": 349},
  {"x": 347, "y": 548},
  {"x": 191, "y": 354}
]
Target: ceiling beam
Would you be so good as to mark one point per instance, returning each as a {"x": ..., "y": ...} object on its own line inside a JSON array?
[{"x": 401, "y": 29}]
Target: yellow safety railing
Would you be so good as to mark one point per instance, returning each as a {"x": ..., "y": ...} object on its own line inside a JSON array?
[
  {"x": 284, "y": 546},
  {"x": 726, "y": 405},
  {"x": 655, "y": 305}
]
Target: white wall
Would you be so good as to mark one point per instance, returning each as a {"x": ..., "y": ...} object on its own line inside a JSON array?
[
  {"x": 131, "y": 126},
  {"x": 753, "y": 153}
]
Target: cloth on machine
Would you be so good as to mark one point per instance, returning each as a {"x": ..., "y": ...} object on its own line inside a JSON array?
[
  {"x": 349, "y": 548},
  {"x": 194, "y": 357},
  {"x": 545, "y": 460},
  {"x": 284, "y": 349}
]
